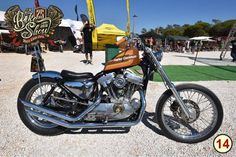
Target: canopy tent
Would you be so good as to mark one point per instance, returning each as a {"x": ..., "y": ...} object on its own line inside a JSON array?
[
  {"x": 4, "y": 31},
  {"x": 2, "y": 17},
  {"x": 92, "y": 14},
  {"x": 201, "y": 38},
  {"x": 74, "y": 25},
  {"x": 105, "y": 34},
  {"x": 68, "y": 30}
]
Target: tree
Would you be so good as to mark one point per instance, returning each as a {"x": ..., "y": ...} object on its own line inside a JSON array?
[
  {"x": 173, "y": 32},
  {"x": 176, "y": 26},
  {"x": 200, "y": 28},
  {"x": 159, "y": 30},
  {"x": 216, "y": 21},
  {"x": 194, "y": 31},
  {"x": 204, "y": 26},
  {"x": 169, "y": 27},
  {"x": 222, "y": 29},
  {"x": 144, "y": 30},
  {"x": 152, "y": 30}
]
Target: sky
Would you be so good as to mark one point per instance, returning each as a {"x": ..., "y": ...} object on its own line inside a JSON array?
[{"x": 151, "y": 13}]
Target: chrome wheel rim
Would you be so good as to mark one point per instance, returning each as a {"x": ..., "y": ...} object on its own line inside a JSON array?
[
  {"x": 35, "y": 96},
  {"x": 205, "y": 120}
]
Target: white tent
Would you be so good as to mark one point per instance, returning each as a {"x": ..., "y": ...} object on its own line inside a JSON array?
[
  {"x": 3, "y": 31},
  {"x": 2, "y": 23},
  {"x": 2, "y": 13},
  {"x": 74, "y": 25},
  {"x": 201, "y": 38},
  {"x": 2, "y": 17}
]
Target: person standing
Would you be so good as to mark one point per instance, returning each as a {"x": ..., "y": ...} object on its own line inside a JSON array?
[
  {"x": 1, "y": 39},
  {"x": 233, "y": 51},
  {"x": 87, "y": 36},
  {"x": 192, "y": 45}
]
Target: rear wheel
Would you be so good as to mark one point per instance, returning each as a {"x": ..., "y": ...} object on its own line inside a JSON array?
[
  {"x": 201, "y": 102},
  {"x": 31, "y": 92}
]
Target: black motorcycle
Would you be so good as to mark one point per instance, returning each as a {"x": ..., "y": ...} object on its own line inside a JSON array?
[{"x": 52, "y": 102}]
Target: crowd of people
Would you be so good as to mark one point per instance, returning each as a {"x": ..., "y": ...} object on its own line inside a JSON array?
[{"x": 183, "y": 46}]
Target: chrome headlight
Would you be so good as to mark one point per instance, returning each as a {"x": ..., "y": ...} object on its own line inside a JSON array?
[{"x": 158, "y": 55}]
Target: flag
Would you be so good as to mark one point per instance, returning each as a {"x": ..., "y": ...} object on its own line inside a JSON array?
[
  {"x": 128, "y": 17},
  {"x": 36, "y": 3},
  {"x": 76, "y": 12},
  {"x": 91, "y": 12}
]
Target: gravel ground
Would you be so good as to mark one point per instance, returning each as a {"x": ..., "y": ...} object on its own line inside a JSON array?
[{"x": 145, "y": 139}]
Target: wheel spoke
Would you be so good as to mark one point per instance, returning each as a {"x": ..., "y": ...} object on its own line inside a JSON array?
[
  {"x": 200, "y": 103},
  {"x": 206, "y": 108}
]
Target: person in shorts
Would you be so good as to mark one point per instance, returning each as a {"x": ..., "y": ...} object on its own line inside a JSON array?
[{"x": 87, "y": 36}]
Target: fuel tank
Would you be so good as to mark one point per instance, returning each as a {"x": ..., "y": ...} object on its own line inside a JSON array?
[{"x": 125, "y": 58}]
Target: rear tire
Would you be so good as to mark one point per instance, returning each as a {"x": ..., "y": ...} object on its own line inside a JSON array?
[
  {"x": 164, "y": 120},
  {"x": 49, "y": 130}
]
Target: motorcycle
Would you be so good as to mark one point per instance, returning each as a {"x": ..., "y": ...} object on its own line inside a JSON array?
[{"x": 51, "y": 102}]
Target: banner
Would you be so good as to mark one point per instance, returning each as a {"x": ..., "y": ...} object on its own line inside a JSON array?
[
  {"x": 76, "y": 12},
  {"x": 36, "y": 4},
  {"x": 128, "y": 18},
  {"x": 91, "y": 12},
  {"x": 32, "y": 25}
]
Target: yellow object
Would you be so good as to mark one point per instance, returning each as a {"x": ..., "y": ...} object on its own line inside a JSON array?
[
  {"x": 106, "y": 34},
  {"x": 128, "y": 18},
  {"x": 91, "y": 12}
]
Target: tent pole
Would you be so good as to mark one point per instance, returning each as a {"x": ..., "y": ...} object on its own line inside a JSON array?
[{"x": 195, "y": 59}]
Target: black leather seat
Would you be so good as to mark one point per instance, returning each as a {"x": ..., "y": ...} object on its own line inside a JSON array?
[{"x": 69, "y": 75}]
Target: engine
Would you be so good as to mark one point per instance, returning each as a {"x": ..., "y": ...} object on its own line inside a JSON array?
[{"x": 120, "y": 100}]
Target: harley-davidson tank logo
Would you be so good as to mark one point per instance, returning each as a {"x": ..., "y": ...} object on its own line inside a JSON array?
[
  {"x": 122, "y": 59},
  {"x": 31, "y": 26}
]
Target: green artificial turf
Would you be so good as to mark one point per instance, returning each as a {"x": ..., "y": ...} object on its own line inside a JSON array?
[{"x": 196, "y": 73}]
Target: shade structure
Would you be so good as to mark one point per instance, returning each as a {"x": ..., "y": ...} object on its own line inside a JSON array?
[
  {"x": 106, "y": 34},
  {"x": 4, "y": 31},
  {"x": 2, "y": 17},
  {"x": 201, "y": 38}
]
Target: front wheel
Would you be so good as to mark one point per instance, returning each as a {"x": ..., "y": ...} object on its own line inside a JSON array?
[{"x": 201, "y": 102}]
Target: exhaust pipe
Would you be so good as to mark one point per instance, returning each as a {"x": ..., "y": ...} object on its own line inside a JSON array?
[
  {"x": 72, "y": 123},
  {"x": 60, "y": 115},
  {"x": 81, "y": 124}
]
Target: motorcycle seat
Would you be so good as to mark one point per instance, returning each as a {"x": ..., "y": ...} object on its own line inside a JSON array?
[{"x": 69, "y": 75}]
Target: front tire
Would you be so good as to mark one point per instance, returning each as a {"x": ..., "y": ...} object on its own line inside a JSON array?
[
  {"x": 36, "y": 125},
  {"x": 200, "y": 101}
]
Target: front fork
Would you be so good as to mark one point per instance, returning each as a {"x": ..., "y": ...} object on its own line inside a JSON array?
[{"x": 172, "y": 88}]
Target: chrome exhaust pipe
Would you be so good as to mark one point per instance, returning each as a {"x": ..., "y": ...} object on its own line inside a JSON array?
[
  {"x": 81, "y": 124},
  {"x": 65, "y": 121},
  {"x": 60, "y": 115}
]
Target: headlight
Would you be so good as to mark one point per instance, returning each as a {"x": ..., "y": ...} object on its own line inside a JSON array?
[{"x": 158, "y": 55}]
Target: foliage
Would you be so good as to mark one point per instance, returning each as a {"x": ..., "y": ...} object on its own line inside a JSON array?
[
  {"x": 215, "y": 29},
  {"x": 172, "y": 31},
  {"x": 144, "y": 30},
  {"x": 222, "y": 29}
]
